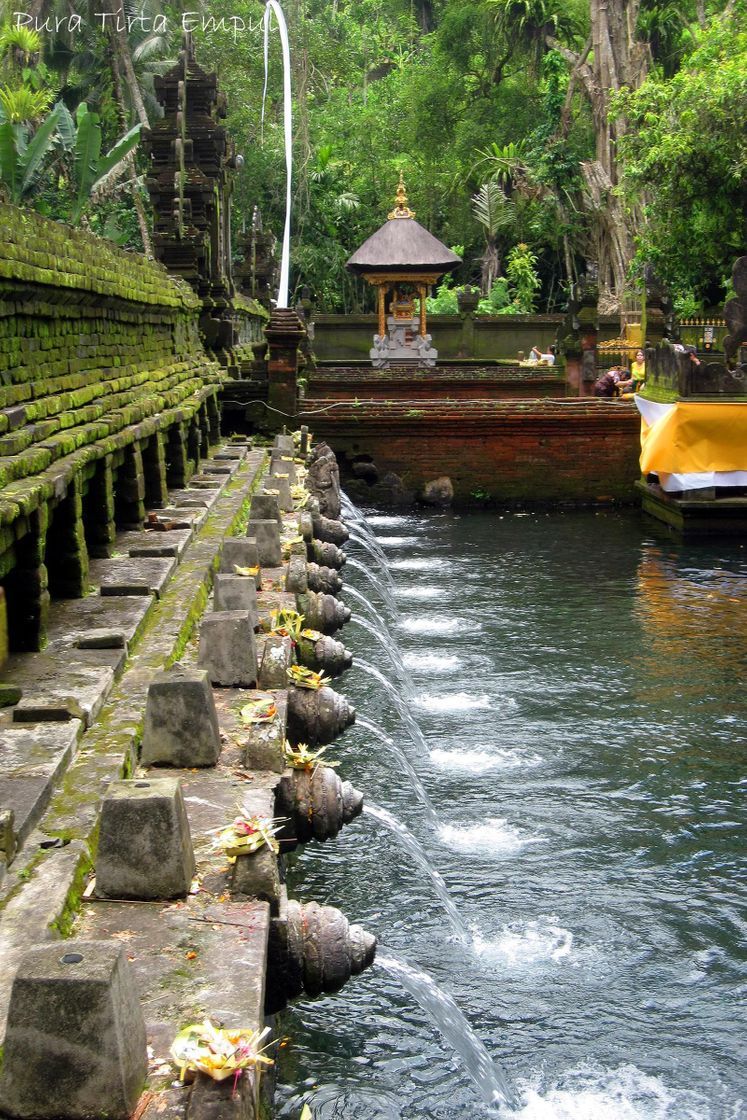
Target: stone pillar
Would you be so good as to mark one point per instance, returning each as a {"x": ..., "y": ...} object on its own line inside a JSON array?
[
  {"x": 284, "y": 333},
  {"x": 213, "y": 415},
  {"x": 66, "y": 553},
  {"x": 154, "y": 468},
  {"x": 129, "y": 493},
  {"x": 177, "y": 465},
  {"x": 26, "y": 587},
  {"x": 98, "y": 510}
]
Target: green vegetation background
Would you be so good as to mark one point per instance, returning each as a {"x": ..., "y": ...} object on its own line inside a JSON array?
[{"x": 483, "y": 104}]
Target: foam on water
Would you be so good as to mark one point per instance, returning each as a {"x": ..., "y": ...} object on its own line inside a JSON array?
[
  {"x": 433, "y": 624},
  {"x": 477, "y": 762},
  {"x": 529, "y": 943},
  {"x": 450, "y": 702},
  {"x": 625, "y": 1093},
  {"x": 433, "y": 662},
  {"x": 387, "y": 519},
  {"x": 427, "y": 592},
  {"x": 397, "y": 542},
  {"x": 496, "y": 837},
  {"x": 417, "y": 564}
]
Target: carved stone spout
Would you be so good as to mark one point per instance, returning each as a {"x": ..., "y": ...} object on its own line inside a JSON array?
[
  {"x": 317, "y": 716},
  {"x": 321, "y": 578},
  {"x": 328, "y": 554},
  {"x": 327, "y": 529},
  {"x": 313, "y": 949},
  {"x": 325, "y": 653},
  {"x": 316, "y": 803},
  {"x": 323, "y": 612}
]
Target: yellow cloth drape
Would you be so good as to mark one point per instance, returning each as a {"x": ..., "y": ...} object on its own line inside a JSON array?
[{"x": 695, "y": 437}]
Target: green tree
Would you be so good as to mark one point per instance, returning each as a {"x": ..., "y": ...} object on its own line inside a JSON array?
[{"x": 685, "y": 162}]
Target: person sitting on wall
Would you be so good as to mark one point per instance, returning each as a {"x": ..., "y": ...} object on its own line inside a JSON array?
[
  {"x": 535, "y": 355},
  {"x": 607, "y": 384},
  {"x": 548, "y": 359},
  {"x": 637, "y": 379}
]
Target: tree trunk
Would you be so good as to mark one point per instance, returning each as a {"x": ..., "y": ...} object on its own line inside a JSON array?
[
  {"x": 619, "y": 61},
  {"x": 137, "y": 200}
]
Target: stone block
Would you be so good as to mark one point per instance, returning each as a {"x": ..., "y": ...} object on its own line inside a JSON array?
[
  {"x": 236, "y": 593},
  {"x": 279, "y": 484},
  {"x": 75, "y": 1046},
  {"x": 282, "y": 465},
  {"x": 227, "y": 649},
  {"x": 266, "y": 535},
  {"x": 145, "y": 847},
  {"x": 181, "y": 723},
  {"x": 264, "y": 507},
  {"x": 258, "y": 876},
  {"x": 277, "y": 656},
  {"x": 284, "y": 444},
  {"x": 239, "y": 552}
]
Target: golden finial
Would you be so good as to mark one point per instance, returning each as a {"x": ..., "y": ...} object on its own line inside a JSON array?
[{"x": 401, "y": 209}]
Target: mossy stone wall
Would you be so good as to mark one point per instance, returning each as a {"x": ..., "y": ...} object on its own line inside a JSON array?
[{"x": 105, "y": 390}]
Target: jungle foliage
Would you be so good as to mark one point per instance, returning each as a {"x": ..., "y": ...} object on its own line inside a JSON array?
[{"x": 541, "y": 136}]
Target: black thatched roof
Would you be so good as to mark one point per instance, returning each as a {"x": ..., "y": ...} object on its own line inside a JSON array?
[{"x": 402, "y": 244}]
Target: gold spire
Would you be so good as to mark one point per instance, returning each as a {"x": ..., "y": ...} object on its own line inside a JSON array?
[{"x": 401, "y": 209}]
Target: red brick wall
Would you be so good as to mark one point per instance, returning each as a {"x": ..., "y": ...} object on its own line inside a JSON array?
[{"x": 580, "y": 450}]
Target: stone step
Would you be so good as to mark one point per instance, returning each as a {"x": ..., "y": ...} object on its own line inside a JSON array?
[
  {"x": 138, "y": 575},
  {"x": 31, "y": 759},
  {"x": 152, "y": 542}
]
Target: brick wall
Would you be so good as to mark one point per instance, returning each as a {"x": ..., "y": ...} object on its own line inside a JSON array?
[{"x": 528, "y": 451}]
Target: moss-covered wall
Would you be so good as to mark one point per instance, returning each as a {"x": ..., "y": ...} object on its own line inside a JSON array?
[{"x": 105, "y": 390}]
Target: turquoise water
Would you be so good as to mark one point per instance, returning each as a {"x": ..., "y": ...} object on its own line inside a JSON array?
[{"x": 579, "y": 683}]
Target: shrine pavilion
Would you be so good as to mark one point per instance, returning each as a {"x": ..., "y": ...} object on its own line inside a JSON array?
[{"x": 402, "y": 260}]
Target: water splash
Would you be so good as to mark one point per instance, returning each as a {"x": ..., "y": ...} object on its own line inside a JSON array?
[
  {"x": 451, "y": 702},
  {"x": 625, "y": 1093},
  {"x": 433, "y": 662},
  {"x": 419, "y": 593},
  {"x": 435, "y": 625},
  {"x": 407, "y": 841},
  {"x": 534, "y": 942},
  {"x": 496, "y": 837},
  {"x": 489, "y": 1079},
  {"x": 477, "y": 762}
]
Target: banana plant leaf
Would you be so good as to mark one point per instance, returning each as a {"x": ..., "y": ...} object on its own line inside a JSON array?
[
  {"x": 87, "y": 153},
  {"x": 9, "y": 169},
  {"x": 115, "y": 155},
  {"x": 38, "y": 150}
]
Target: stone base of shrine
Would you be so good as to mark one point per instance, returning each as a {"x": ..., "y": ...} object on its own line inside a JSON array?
[{"x": 712, "y": 514}]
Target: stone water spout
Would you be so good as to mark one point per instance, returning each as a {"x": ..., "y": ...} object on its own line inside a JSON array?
[
  {"x": 325, "y": 653},
  {"x": 322, "y": 552},
  {"x": 323, "y": 612},
  {"x": 313, "y": 949},
  {"x": 322, "y": 578},
  {"x": 316, "y": 803},
  {"x": 317, "y": 716},
  {"x": 328, "y": 529}
]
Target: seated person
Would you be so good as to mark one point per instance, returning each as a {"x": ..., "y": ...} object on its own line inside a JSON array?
[
  {"x": 606, "y": 384},
  {"x": 637, "y": 379},
  {"x": 549, "y": 357},
  {"x": 534, "y": 355}
]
